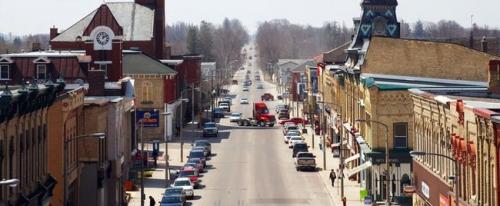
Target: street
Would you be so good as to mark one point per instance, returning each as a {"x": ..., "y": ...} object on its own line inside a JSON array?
[{"x": 250, "y": 165}]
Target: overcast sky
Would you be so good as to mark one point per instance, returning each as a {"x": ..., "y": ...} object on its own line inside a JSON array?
[{"x": 36, "y": 16}]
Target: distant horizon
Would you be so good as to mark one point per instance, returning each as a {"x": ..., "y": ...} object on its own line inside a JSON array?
[{"x": 69, "y": 12}]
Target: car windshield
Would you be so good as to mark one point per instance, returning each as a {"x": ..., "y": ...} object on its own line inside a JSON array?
[
  {"x": 201, "y": 144},
  {"x": 296, "y": 138},
  {"x": 182, "y": 183},
  {"x": 236, "y": 114},
  {"x": 187, "y": 173},
  {"x": 305, "y": 155},
  {"x": 293, "y": 133},
  {"x": 244, "y": 99},
  {"x": 171, "y": 199},
  {"x": 197, "y": 154},
  {"x": 293, "y": 127},
  {"x": 224, "y": 104},
  {"x": 210, "y": 124}
]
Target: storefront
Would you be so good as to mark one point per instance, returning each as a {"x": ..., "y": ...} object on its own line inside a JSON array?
[{"x": 430, "y": 189}]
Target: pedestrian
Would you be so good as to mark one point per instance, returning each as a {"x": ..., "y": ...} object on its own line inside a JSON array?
[
  {"x": 152, "y": 201},
  {"x": 333, "y": 176}
]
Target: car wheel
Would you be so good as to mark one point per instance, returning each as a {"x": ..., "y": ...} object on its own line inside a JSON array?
[
  {"x": 297, "y": 168},
  {"x": 262, "y": 124},
  {"x": 271, "y": 125}
]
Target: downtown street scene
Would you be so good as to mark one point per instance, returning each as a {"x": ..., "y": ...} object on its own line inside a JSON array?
[{"x": 154, "y": 102}]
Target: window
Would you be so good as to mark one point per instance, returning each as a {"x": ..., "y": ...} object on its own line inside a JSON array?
[
  {"x": 41, "y": 71},
  {"x": 147, "y": 92},
  {"x": 4, "y": 71},
  {"x": 400, "y": 135},
  {"x": 103, "y": 66}
]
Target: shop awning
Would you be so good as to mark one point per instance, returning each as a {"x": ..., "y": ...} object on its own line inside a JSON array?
[
  {"x": 351, "y": 158},
  {"x": 359, "y": 168}
]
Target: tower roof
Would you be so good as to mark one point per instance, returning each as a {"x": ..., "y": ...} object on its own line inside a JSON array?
[{"x": 380, "y": 2}]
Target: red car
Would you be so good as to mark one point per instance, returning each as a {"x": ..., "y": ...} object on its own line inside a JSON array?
[
  {"x": 190, "y": 173},
  {"x": 296, "y": 120}
]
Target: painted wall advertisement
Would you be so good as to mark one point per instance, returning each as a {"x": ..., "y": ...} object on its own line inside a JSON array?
[{"x": 150, "y": 118}]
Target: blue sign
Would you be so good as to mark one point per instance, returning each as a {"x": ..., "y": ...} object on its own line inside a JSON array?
[
  {"x": 148, "y": 118},
  {"x": 314, "y": 80}
]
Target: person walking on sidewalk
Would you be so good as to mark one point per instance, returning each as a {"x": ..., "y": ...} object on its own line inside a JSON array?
[
  {"x": 152, "y": 201},
  {"x": 333, "y": 176}
]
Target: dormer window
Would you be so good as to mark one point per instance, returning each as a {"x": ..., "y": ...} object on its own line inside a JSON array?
[
  {"x": 41, "y": 71},
  {"x": 4, "y": 71}
]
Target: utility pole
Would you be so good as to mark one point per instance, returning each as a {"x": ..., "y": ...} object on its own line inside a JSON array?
[
  {"x": 192, "y": 111},
  {"x": 143, "y": 196},
  {"x": 180, "y": 131},
  {"x": 323, "y": 134}
]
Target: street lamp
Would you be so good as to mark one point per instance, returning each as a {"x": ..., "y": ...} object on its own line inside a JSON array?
[
  {"x": 387, "y": 174},
  {"x": 98, "y": 136},
  {"x": 167, "y": 165},
  {"x": 9, "y": 182},
  {"x": 414, "y": 154}
]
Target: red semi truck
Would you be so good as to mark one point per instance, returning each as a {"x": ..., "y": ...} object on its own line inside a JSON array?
[{"x": 262, "y": 116}]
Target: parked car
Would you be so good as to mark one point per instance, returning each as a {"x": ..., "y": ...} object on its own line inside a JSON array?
[
  {"x": 294, "y": 140},
  {"x": 290, "y": 134},
  {"x": 205, "y": 150},
  {"x": 186, "y": 185},
  {"x": 200, "y": 154},
  {"x": 290, "y": 127},
  {"x": 305, "y": 160},
  {"x": 299, "y": 147},
  {"x": 267, "y": 97},
  {"x": 235, "y": 81},
  {"x": 196, "y": 163},
  {"x": 296, "y": 120},
  {"x": 204, "y": 143},
  {"x": 192, "y": 174},
  {"x": 224, "y": 106},
  {"x": 172, "y": 200},
  {"x": 217, "y": 113},
  {"x": 246, "y": 89},
  {"x": 260, "y": 86},
  {"x": 280, "y": 97},
  {"x": 175, "y": 191},
  {"x": 243, "y": 100},
  {"x": 210, "y": 129},
  {"x": 228, "y": 100}
]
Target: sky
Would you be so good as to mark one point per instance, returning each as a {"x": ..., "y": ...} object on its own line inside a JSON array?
[{"x": 37, "y": 16}]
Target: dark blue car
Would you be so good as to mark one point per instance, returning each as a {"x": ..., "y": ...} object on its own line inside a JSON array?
[{"x": 217, "y": 113}]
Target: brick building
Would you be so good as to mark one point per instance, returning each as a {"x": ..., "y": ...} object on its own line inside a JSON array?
[{"x": 24, "y": 143}]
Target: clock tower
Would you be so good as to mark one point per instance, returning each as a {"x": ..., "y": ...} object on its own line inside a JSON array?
[{"x": 379, "y": 18}]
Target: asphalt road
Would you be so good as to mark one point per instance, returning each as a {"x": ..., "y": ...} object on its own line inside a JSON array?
[{"x": 253, "y": 166}]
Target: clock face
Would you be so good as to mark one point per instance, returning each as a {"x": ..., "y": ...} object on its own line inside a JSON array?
[{"x": 102, "y": 38}]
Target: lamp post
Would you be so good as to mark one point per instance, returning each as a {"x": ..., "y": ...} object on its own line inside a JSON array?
[
  {"x": 180, "y": 130},
  {"x": 98, "y": 136},
  {"x": 167, "y": 165},
  {"x": 387, "y": 171},
  {"x": 455, "y": 181}
]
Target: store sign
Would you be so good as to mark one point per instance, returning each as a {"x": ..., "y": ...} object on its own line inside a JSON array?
[
  {"x": 102, "y": 37},
  {"x": 425, "y": 190},
  {"x": 148, "y": 118}
]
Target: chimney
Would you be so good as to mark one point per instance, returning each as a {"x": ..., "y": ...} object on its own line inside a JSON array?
[
  {"x": 96, "y": 82},
  {"x": 53, "y": 32},
  {"x": 484, "y": 45},
  {"x": 494, "y": 77},
  {"x": 35, "y": 46}
]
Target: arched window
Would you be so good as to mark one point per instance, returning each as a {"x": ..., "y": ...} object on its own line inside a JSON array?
[{"x": 147, "y": 92}]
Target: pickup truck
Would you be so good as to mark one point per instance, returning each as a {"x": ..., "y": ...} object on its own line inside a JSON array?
[{"x": 305, "y": 160}]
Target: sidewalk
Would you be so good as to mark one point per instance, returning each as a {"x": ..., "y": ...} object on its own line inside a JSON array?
[
  {"x": 351, "y": 188},
  {"x": 155, "y": 186}
]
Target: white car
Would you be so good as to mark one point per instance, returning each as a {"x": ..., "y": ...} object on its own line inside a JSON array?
[
  {"x": 245, "y": 89},
  {"x": 290, "y": 134},
  {"x": 185, "y": 184},
  {"x": 234, "y": 117},
  {"x": 224, "y": 106},
  {"x": 295, "y": 140},
  {"x": 244, "y": 100}
]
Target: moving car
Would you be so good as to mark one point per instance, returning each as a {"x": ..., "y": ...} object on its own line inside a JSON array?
[
  {"x": 217, "y": 113},
  {"x": 290, "y": 134},
  {"x": 204, "y": 143},
  {"x": 299, "y": 147},
  {"x": 210, "y": 129},
  {"x": 234, "y": 117},
  {"x": 235, "y": 81},
  {"x": 296, "y": 120},
  {"x": 305, "y": 160},
  {"x": 295, "y": 140},
  {"x": 267, "y": 97},
  {"x": 244, "y": 100},
  {"x": 262, "y": 115},
  {"x": 283, "y": 114},
  {"x": 186, "y": 185},
  {"x": 228, "y": 100},
  {"x": 260, "y": 86},
  {"x": 224, "y": 106},
  {"x": 280, "y": 107}
]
